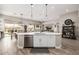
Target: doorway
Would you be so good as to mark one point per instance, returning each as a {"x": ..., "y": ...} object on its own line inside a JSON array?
[{"x": 10, "y": 29}]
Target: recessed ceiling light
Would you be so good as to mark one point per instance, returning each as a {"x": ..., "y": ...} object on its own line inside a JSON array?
[
  {"x": 53, "y": 7},
  {"x": 32, "y": 5},
  {"x": 67, "y": 10}
]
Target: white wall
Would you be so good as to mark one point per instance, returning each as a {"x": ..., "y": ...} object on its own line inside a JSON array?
[
  {"x": 62, "y": 18},
  {"x": 73, "y": 16}
]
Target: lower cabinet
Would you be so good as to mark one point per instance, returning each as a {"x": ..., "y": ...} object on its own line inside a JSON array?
[
  {"x": 44, "y": 41},
  {"x": 51, "y": 41},
  {"x": 41, "y": 40},
  {"x": 58, "y": 43}
]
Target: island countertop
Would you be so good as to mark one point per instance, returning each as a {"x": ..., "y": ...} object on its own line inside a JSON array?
[{"x": 35, "y": 33}]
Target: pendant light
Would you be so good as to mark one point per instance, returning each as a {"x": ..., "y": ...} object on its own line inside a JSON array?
[
  {"x": 46, "y": 11},
  {"x": 31, "y": 10}
]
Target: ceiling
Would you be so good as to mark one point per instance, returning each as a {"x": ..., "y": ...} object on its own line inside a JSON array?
[{"x": 37, "y": 12}]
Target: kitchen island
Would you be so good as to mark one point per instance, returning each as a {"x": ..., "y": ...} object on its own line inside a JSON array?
[{"x": 39, "y": 40}]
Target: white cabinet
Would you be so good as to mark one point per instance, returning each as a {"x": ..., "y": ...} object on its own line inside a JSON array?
[
  {"x": 44, "y": 41},
  {"x": 58, "y": 43},
  {"x": 51, "y": 41},
  {"x": 20, "y": 41},
  {"x": 36, "y": 41},
  {"x": 41, "y": 40}
]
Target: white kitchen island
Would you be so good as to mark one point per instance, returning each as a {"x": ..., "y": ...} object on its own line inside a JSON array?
[{"x": 40, "y": 39}]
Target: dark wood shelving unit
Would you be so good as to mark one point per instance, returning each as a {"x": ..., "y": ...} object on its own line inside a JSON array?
[{"x": 68, "y": 30}]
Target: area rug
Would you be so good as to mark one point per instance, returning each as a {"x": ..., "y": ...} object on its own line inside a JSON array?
[{"x": 39, "y": 51}]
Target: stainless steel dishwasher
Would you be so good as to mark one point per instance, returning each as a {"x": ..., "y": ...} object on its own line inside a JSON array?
[{"x": 28, "y": 41}]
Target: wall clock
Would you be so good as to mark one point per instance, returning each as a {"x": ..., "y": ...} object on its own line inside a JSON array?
[{"x": 68, "y": 22}]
